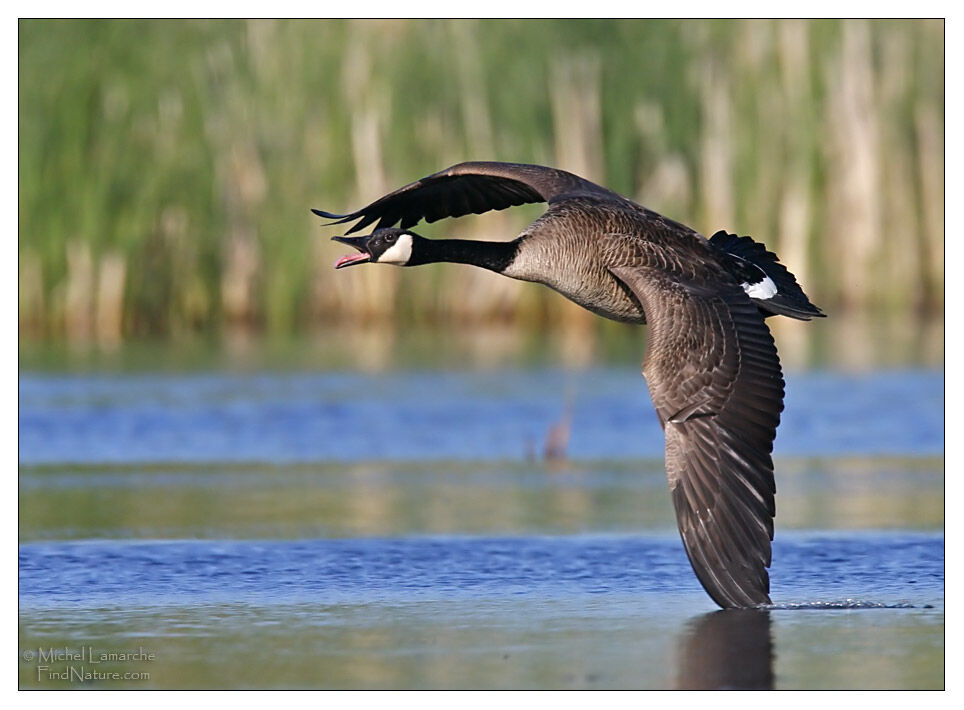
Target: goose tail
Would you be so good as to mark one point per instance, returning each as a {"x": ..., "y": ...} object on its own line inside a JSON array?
[{"x": 766, "y": 281}]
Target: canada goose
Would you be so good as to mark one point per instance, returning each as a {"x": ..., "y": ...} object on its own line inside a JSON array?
[{"x": 711, "y": 364}]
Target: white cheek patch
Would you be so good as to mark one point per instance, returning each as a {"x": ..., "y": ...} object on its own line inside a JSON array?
[
  {"x": 761, "y": 289},
  {"x": 399, "y": 253}
]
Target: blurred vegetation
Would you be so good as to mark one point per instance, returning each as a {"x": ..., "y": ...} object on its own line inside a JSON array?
[{"x": 166, "y": 168}]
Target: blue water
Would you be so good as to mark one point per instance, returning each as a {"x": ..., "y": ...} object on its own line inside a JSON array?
[
  {"x": 399, "y": 530},
  {"x": 846, "y": 570},
  {"x": 581, "y": 611},
  {"x": 324, "y": 417}
]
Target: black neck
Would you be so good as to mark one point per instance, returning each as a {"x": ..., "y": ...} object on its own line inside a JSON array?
[{"x": 495, "y": 256}]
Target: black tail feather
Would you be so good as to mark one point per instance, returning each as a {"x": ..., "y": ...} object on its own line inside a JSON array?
[{"x": 789, "y": 300}]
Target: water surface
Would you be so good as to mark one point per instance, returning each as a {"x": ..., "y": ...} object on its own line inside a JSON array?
[
  {"x": 402, "y": 529},
  {"x": 586, "y": 611}
]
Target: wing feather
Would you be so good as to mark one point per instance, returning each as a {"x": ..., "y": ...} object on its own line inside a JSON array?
[
  {"x": 467, "y": 188},
  {"x": 712, "y": 360}
]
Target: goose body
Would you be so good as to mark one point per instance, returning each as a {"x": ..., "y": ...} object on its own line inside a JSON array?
[{"x": 711, "y": 363}]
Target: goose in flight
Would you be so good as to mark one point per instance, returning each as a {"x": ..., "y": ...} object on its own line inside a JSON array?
[{"x": 711, "y": 364}]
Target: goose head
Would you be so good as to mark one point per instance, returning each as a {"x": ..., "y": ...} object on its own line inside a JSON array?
[{"x": 383, "y": 246}]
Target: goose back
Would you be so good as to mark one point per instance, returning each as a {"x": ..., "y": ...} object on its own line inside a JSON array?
[{"x": 574, "y": 246}]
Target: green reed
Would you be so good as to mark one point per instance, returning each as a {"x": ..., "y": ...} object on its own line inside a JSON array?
[{"x": 166, "y": 168}]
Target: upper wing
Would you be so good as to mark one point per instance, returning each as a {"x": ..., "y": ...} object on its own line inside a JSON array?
[
  {"x": 467, "y": 188},
  {"x": 716, "y": 384}
]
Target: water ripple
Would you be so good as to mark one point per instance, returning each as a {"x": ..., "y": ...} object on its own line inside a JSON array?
[{"x": 416, "y": 415}]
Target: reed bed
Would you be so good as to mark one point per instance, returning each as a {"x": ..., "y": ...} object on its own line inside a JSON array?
[{"x": 166, "y": 168}]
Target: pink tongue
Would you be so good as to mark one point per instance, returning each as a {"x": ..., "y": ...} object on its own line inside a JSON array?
[{"x": 351, "y": 259}]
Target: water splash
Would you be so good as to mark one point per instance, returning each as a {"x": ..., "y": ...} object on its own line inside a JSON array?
[{"x": 846, "y": 604}]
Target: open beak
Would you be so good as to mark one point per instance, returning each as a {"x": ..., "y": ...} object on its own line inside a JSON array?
[{"x": 359, "y": 243}]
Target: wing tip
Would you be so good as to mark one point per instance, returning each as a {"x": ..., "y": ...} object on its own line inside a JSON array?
[
  {"x": 339, "y": 218},
  {"x": 342, "y": 219}
]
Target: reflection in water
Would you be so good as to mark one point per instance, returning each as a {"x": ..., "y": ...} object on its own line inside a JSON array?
[
  {"x": 847, "y": 341},
  {"x": 387, "y": 498},
  {"x": 730, "y": 649},
  {"x": 481, "y": 612}
]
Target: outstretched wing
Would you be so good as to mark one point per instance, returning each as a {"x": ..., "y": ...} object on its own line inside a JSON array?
[
  {"x": 715, "y": 380},
  {"x": 464, "y": 189}
]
